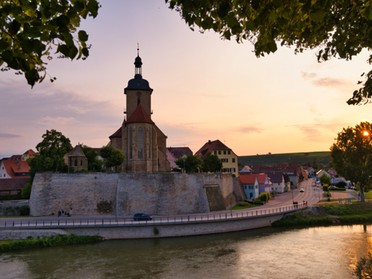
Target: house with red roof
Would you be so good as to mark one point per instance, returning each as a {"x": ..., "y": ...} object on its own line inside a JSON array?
[
  {"x": 249, "y": 184},
  {"x": 15, "y": 173},
  {"x": 227, "y": 157}
]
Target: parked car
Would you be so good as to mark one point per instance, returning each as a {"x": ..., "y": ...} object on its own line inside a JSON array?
[
  {"x": 302, "y": 190},
  {"x": 142, "y": 217}
]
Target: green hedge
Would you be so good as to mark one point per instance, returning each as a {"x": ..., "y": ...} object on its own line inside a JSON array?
[{"x": 48, "y": 241}]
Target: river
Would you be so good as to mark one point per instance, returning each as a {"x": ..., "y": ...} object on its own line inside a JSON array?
[{"x": 323, "y": 252}]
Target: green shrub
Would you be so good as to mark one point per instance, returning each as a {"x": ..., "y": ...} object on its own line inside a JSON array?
[
  {"x": 105, "y": 207},
  {"x": 24, "y": 210},
  {"x": 26, "y": 191},
  {"x": 48, "y": 241}
]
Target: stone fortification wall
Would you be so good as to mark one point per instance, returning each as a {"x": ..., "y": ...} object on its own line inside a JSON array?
[{"x": 124, "y": 194}]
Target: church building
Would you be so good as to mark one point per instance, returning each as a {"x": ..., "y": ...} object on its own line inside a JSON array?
[{"x": 141, "y": 141}]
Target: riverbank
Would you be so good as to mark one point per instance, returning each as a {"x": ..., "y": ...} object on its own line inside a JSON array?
[
  {"x": 329, "y": 214},
  {"x": 47, "y": 241}
]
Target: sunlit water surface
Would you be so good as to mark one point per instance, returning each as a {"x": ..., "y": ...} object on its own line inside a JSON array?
[{"x": 326, "y": 252}]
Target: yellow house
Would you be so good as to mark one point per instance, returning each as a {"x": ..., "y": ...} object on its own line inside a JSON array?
[{"x": 228, "y": 158}]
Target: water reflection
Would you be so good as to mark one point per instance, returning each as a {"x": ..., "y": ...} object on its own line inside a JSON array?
[{"x": 330, "y": 252}]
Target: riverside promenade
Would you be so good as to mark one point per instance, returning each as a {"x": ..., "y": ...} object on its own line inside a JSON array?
[{"x": 159, "y": 226}]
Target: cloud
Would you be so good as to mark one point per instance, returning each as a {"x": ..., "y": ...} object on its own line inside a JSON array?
[
  {"x": 27, "y": 114},
  {"x": 8, "y": 135},
  {"x": 249, "y": 129},
  {"x": 323, "y": 81}
]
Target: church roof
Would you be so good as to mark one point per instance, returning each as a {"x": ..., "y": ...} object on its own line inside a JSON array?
[
  {"x": 77, "y": 151},
  {"x": 138, "y": 83},
  {"x": 139, "y": 116},
  {"x": 117, "y": 134}
]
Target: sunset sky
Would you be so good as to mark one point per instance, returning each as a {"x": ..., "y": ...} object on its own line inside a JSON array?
[{"x": 204, "y": 88}]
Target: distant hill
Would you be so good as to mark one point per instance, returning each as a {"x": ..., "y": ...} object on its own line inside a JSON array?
[{"x": 314, "y": 159}]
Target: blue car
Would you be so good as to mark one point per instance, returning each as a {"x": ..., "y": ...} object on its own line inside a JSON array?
[{"x": 141, "y": 217}]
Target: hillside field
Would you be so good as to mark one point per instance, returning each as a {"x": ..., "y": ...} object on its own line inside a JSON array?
[{"x": 319, "y": 159}]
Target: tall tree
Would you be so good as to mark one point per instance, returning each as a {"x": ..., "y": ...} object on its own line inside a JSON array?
[
  {"x": 51, "y": 151},
  {"x": 94, "y": 164},
  {"x": 112, "y": 157},
  {"x": 340, "y": 28},
  {"x": 352, "y": 155},
  {"x": 211, "y": 163},
  {"x": 189, "y": 164},
  {"x": 31, "y": 30}
]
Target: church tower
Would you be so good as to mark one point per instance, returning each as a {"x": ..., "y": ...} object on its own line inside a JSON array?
[{"x": 142, "y": 142}]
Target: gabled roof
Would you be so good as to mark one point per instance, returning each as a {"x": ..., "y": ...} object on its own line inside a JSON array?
[
  {"x": 29, "y": 153},
  {"x": 117, "y": 134},
  {"x": 139, "y": 116},
  {"x": 211, "y": 146},
  {"x": 178, "y": 152},
  {"x": 276, "y": 177},
  {"x": 77, "y": 151},
  {"x": 245, "y": 169},
  {"x": 15, "y": 167},
  {"x": 250, "y": 178}
]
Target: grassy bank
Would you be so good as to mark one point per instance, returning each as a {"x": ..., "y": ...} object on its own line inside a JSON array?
[
  {"x": 329, "y": 214},
  {"x": 49, "y": 241}
]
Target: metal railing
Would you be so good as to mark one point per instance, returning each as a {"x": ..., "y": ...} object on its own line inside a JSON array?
[{"x": 71, "y": 222}]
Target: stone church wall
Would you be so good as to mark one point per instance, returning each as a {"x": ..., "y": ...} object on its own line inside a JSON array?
[{"x": 123, "y": 194}]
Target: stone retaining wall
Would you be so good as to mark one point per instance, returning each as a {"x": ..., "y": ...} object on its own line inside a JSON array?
[{"x": 123, "y": 194}]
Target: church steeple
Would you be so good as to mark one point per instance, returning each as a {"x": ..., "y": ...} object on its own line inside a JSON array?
[{"x": 138, "y": 65}]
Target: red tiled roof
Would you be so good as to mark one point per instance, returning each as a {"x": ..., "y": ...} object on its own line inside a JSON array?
[
  {"x": 139, "y": 116},
  {"x": 211, "y": 146},
  {"x": 251, "y": 178},
  {"x": 16, "y": 168},
  {"x": 247, "y": 179}
]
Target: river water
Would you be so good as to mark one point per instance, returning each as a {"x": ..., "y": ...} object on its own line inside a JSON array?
[{"x": 324, "y": 252}]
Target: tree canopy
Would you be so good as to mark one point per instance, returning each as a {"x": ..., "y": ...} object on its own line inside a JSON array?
[
  {"x": 211, "y": 163},
  {"x": 339, "y": 29},
  {"x": 352, "y": 155},
  {"x": 30, "y": 31},
  {"x": 112, "y": 157},
  {"x": 51, "y": 151}
]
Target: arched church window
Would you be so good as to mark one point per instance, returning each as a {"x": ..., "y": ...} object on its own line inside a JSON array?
[
  {"x": 130, "y": 143},
  {"x": 140, "y": 143}
]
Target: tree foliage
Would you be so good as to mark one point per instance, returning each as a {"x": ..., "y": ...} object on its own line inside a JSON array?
[
  {"x": 112, "y": 157},
  {"x": 211, "y": 163},
  {"x": 339, "y": 29},
  {"x": 325, "y": 180},
  {"x": 189, "y": 164},
  {"x": 94, "y": 164},
  {"x": 31, "y": 30},
  {"x": 51, "y": 151},
  {"x": 352, "y": 155}
]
